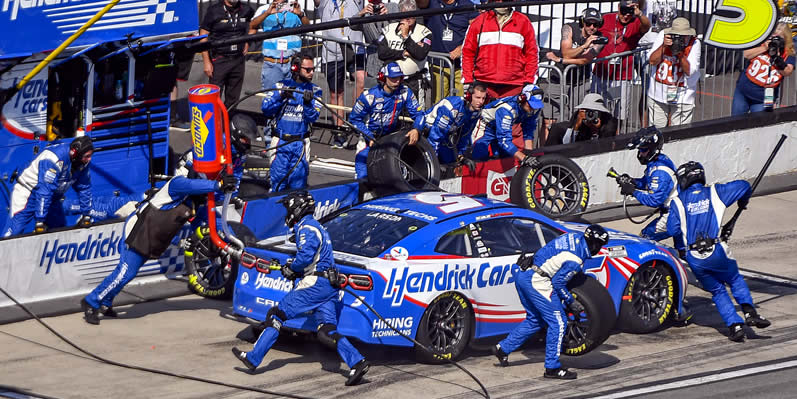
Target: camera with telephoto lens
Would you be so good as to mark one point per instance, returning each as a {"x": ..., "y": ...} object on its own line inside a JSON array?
[
  {"x": 600, "y": 38},
  {"x": 592, "y": 116},
  {"x": 678, "y": 43},
  {"x": 776, "y": 46}
]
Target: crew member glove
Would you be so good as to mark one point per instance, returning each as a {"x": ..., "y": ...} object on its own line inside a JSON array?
[
  {"x": 525, "y": 261},
  {"x": 287, "y": 272},
  {"x": 468, "y": 163},
  {"x": 625, "y": 178},
  {"x": 627, "y": 188},
  {"x": 530, "y": 161},
  {"x": 285, "y": 94},
  {"x": 308, "y": 96},
  {"x": 779, "y": 63},
  {"x": 40, "y": 228},
  {"x": 84, "y": 221},
  {"x": 228, "y": 183}
]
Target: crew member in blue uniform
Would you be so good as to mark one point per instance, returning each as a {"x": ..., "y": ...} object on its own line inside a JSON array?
[
  {"x": 695, "y": 215},
  {"x": 657, "y": 187},
  {"x": 147, "y": 233},
  {"x": 450, "y": 122},
  {"x": 493, "y": 133},
  {"x": 294, "y": 113},
  {"x": 541, "y": 284},
  {"x": 39, "y": 189},
  {"x": 376, "y": 112},
  {"x": 316, "y": 291}
]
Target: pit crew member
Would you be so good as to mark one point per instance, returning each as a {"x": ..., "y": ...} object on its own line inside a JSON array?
[
  {"x": 695, "y": 215},
  {"x": 541, "y": 284},
  {"x": 493, "y": 133},
  {"x": 376, "y": 112},
  {"x": 294, "y": 112},
  {"x": 316, "y": 290},
  {"x": 147, "y": 233},
  {"x": 39, "y": 189}
]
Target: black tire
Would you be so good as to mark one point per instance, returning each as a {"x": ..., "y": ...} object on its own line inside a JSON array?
[
  {"x": 648, "y": 299},
  {"x": 446, "y": 328},
  {"x": 249, "y": 188},
  {"x": 211, "y": 273},
  {"x": 553, "y": 186},
  {"x": 245, "y": 124},
  {"x": 589, "y": 329},
  {"x": 387, "y": 172}
]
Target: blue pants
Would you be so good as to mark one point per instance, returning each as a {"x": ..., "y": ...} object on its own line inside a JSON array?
[
  {"x": 541, "y": 303},
  {"x": 481, "y": 147},
  {"x": 22, "y": 221},
  {"x": 129, "y": 263},
  {"x": 444, "y": 153},
  {"x": 656, "y": 230},
  {"x": 742, "y": 104},
  {"x": 716, "y": 271},
  {"x": 312, "y": 293},
  {"x": 284, "y": 175},
  {"x": 361, "y": 163}
]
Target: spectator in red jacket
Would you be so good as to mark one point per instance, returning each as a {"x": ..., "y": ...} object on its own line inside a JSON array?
[
  {"x": 500, "y": 49},
  {"x": 612, "y": 78}
]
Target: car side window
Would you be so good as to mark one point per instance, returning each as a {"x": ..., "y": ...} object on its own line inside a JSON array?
[
  {"x": 456, "y": 242},
  {"x": 497, "y": 237}
]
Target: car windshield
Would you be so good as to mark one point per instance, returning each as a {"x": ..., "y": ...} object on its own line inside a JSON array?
[{"x": 369, "y": 233}]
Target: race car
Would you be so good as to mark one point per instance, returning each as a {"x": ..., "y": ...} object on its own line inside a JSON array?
[{"x": 440, "y": 267}]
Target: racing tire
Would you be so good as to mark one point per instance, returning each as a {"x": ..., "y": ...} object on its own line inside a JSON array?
[
  {"x": 212, "y": 273},
  {"x": 249, "y": 188},
  {"x": 388, "y": 162},
  {"x": 245, "y": 124},
  {"x": 591, "y": 327},
  {"x": 648, "y": 299},
  {"x": 446, "y": 328},
  {"x": 552, "y": 185}
]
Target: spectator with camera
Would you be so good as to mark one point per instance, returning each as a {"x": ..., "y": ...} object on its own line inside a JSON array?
[
  {"x": 765, "y": 67},
  {"x": 407, "y": 43},
  {"x": 277, "y": 52},
  {"x": 674, "y": 75},
  {"x": 592, "y": 120},
  {"x": 613, "y": 76},
  {"x": 372, "y": 32}
]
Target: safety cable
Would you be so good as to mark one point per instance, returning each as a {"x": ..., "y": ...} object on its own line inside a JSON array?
[
  {"x": 628, "y": 215},
  {"x": 145, "y": 369}
]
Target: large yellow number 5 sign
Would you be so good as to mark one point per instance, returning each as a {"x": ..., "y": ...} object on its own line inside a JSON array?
[{"x": 755, "y": 21}]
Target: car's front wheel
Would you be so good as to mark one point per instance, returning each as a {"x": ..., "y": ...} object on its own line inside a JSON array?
[
  {"x": 446, "y": 328},
  {"x": 648, "y": 298}
]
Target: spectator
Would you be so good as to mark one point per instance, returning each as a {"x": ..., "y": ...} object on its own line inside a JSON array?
[
  {"x": 407, "y": 43},
  {"x": 372, "y": 32},
  {"x": 500, "y": 49},
  {"x": 225, "y": 66},
  {"x": 339, "y": 58},
  {"x": 591, "y": 120},
  {"x": 448, "y": 33},
  {"x": 613, "y": 77},
  {"x": 580, "y": 44},
  {"x": 674, "y": 74},
  {"x": 765, "y": 67},
  {"x": 660, "y": 13},
  {"x": 277, "y": 52}
]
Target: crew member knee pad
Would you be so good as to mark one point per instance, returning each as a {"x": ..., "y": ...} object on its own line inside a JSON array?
[
  {"x": 328, "y": 335},
  {"x": 275, "y": 317}
]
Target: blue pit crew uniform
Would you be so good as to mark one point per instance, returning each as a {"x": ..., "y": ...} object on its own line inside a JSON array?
[
  {"x": 313, "y": 292},
  {"x": 656, "y": 188},
  {"x": 495, "y": 127},
  {"x": 290, "y": 168},
  {"x": 698, "y": 211},
  {"x": 376, "y": 114},
  {"x": 542, "y": 296},
  {"x": 450, "y": 123},
  {"x": 103, "y": 208},
  {"x": 39, "y": 189},
  {"x": 172, "y": 194}
]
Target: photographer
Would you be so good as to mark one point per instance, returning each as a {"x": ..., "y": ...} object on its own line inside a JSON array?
[
  {"x": 591, "y": 120},
  {"x": 765, "y": 67},
  {"x": 674, "y": 75}
]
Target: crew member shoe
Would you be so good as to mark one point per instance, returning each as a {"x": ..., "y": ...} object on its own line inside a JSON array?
[
  {"x": 736, "y": 333},
  {"x": 560, "y": 374},
  {"x": 92, "y": 315},
  {"x": 241, "y": 355},
  {"x": 108, "y": 311},
  {"x": 503, "y": 358},
  {"x": 357, "y": 372},
  {"x": 753, "y": 319}
]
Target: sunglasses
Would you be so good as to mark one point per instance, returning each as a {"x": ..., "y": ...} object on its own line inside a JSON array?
[
  {"x": 592, "y": 23},
  {"x": 308, "y": 69},
  {"x": 626, "y": 10}
]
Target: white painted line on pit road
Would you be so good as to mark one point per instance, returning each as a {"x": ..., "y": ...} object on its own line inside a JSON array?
[
  {"x": 767, "y": 277},
  {"x": 699, "y": 380}
]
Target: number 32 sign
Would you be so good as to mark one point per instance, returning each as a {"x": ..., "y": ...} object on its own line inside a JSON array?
[{"x": 741, "y": 24}]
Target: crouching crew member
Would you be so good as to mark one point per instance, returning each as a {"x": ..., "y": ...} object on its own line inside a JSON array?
[
  {"x": 493, "y": 133},
  {"x": 695, "y": 215},
  {"x": 376, "y": 112},
  {"x": 147, "y": 233},
  {"x": 294, "y": 113},
  {"x": 317, "y": 290},
  {"x": 39, "y": 189},
  {"x": 541, "y": 284}
]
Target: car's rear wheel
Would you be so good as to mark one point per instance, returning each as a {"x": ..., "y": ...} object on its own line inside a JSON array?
[
  {"x": 591, "y": 326},
  {"x": 648, "y": 298},
  {"x": 445, "y": 328}
]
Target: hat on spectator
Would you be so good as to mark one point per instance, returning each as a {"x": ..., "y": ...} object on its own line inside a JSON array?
[
  {"x": 392, "y": 70},
  {"x": 592, "y": 14},
  {"x": 594, "y": 102},
  {"x": 680, "y": 26},
  {"x": 627, "y": 3},
  {"x": 533, "y": 95}
]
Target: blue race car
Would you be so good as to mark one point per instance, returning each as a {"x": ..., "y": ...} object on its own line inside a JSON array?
[{"x": 440, "y": 267}]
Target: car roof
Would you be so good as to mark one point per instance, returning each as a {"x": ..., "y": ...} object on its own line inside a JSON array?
[{"x": 433, "y": 206}]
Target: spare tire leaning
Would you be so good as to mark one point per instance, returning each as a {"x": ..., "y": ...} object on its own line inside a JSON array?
[
  {"x": 552, "y": 185},
  {"x": 390, "y": 160}
]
